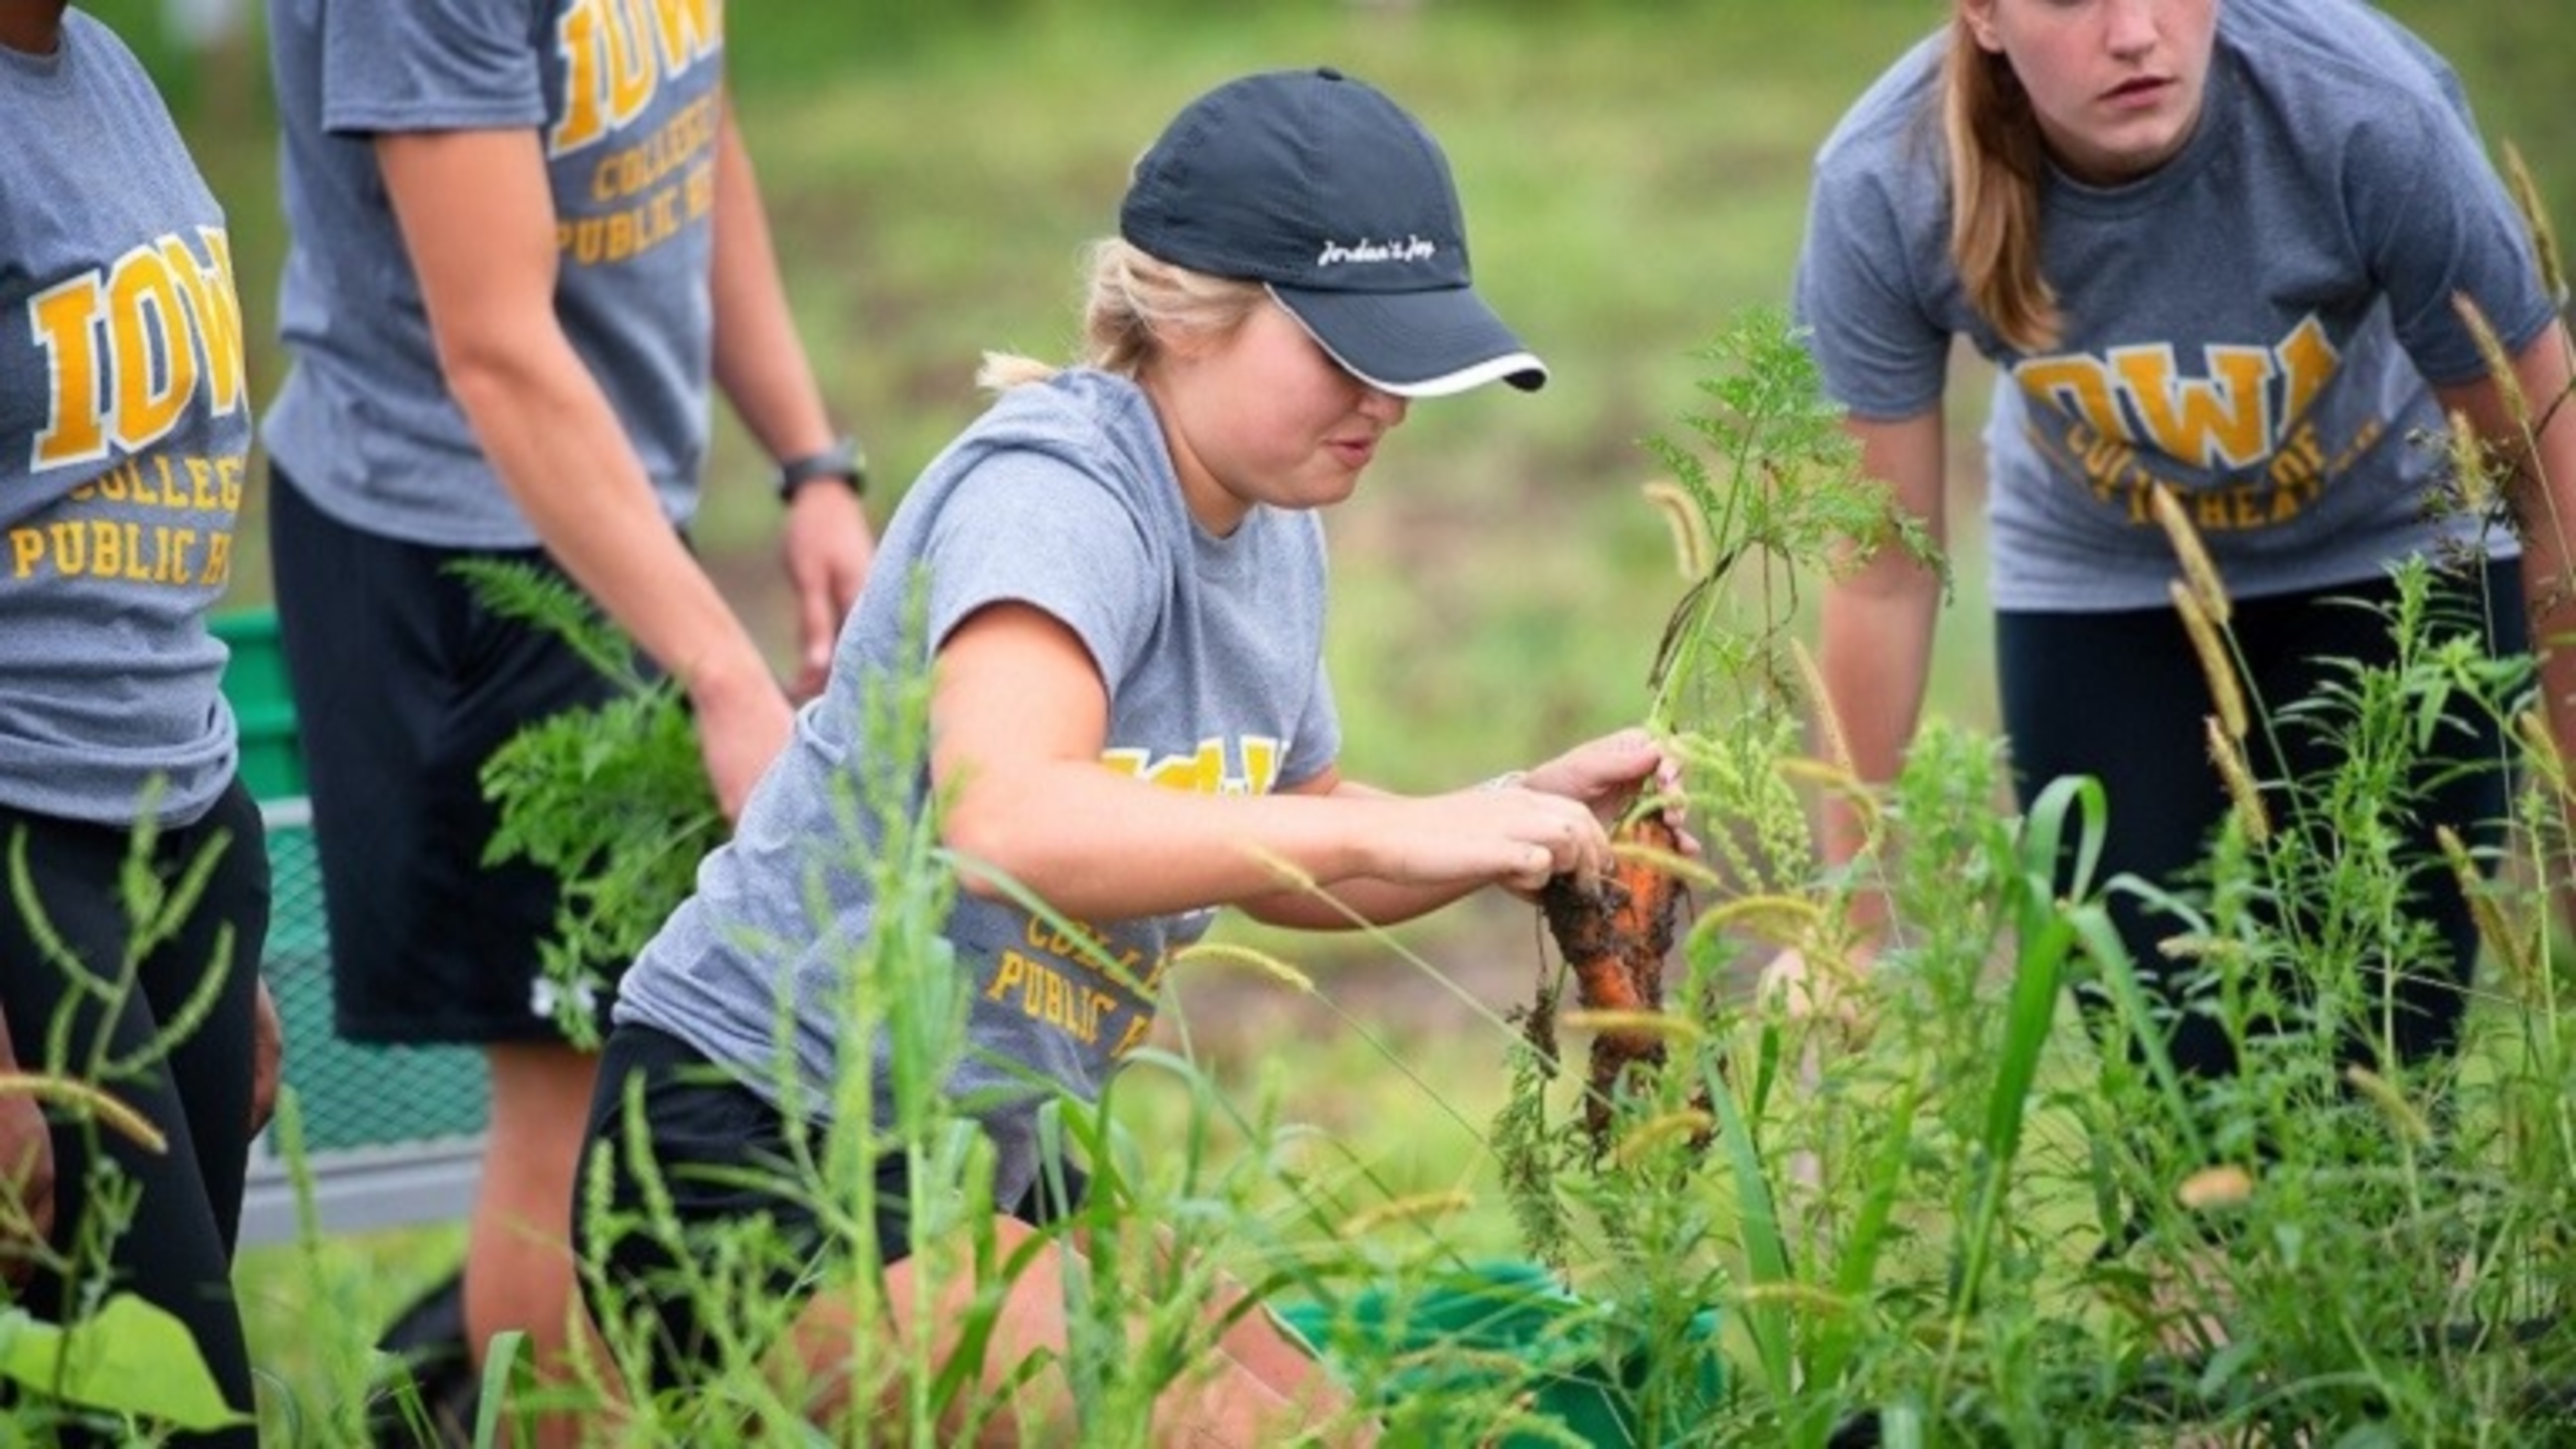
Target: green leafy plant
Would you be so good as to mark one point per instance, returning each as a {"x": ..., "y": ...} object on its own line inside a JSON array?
[
  {"x": 1764, "y": 484},
  {"x": 613, "y": 800}
]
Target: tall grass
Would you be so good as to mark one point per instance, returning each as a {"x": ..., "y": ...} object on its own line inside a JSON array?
[{"x": 1963, "y": 1211}]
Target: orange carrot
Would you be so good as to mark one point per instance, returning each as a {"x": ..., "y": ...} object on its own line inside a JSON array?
[{"x": 1614, "y": 936}]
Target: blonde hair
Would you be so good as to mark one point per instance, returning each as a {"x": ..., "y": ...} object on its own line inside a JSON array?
[
  {"x": 1996, "y": 162},
  {"x": 1133, "y": 305}
]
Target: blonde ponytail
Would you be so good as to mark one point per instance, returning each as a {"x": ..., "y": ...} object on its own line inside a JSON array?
[{"x": 1132, "y": 302}]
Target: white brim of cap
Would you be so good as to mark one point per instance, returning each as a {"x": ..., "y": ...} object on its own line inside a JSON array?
[{"x": 1414, "y": 344}]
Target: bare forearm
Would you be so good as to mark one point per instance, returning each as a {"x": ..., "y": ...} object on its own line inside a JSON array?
[
  {"x": 1875, "y": 641},
  {"x": 2545, "y": 488},
  {"x": 1144, "y": 850},
  {"x": 1356, "y": 902},
  {"x": 1352, "y": 904},
  {"x": 1104, "y": 846},
  {"x": 1018, "y": 720},
  {"x": 2533, "y": 445},
  {"x": 1874, "y": 652},
  {"x": 560, "y": 452},
  {"x": 478, "y": 222}
]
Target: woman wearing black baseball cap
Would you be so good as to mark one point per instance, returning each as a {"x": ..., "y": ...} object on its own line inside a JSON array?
[{"x": 1128, "y": 721}]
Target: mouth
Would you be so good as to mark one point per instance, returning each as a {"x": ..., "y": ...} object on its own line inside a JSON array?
[
  {"x": 1353, "y": 452},
  {"x": 2141, "y": 92}
]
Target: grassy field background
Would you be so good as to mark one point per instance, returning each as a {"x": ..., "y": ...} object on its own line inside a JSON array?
[{"x": 1634, "y": 175}]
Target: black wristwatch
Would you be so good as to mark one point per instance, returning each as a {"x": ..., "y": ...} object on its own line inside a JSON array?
[{"x": 841, "y": 462}]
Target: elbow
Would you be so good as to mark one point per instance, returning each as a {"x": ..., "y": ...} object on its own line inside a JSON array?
[
  {"x": 492, "y": 367},
  {"x": 994, "y": 855},
  {"x": 979, "y": 873},
  {"x": 982, "y": 880},
  {"x": 482, "y": 375}
]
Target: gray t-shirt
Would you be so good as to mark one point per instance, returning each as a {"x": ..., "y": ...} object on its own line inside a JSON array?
[
  {"x": 2254, "y": 324},
  {"x": 1062, "y": 497},
  {"x": 626, "y": 101},
  {"x": 124, "y": 427}
]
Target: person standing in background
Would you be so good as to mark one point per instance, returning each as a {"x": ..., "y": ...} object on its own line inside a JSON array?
[
  {"x": 125, "y": 428},
  {"x": 526, "y": 244},
  {"x": 2217, "y": 251}
]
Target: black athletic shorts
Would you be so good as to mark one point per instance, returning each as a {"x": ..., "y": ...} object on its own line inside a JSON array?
[
  {"x": 722, "y": 1154},
  {"x": 404, "y": 685}
]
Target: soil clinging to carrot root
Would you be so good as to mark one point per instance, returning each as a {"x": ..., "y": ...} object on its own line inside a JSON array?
[{"x": 1614, "y": 936}]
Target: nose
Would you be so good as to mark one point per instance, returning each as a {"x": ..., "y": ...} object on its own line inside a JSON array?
[
  {"x": 1382, "y": 407},
  {"x": 2130, "y": 27}
]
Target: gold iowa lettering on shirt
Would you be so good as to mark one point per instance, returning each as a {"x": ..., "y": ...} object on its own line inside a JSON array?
[
  {"x": 126, "y": 347},
  {"x": 1204, "y": 770},
  {"x": 2232, "y": 417},
  {"x": 616, "y": 55}
]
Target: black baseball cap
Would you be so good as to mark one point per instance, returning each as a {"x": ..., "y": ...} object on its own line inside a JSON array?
[{"x": 1331, "y": 194}]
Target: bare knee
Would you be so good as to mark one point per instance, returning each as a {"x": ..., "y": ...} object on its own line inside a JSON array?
[{"x": 540, "y": 1108}]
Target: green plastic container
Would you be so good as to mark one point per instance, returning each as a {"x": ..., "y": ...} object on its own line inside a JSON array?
[
  {"x": 272, "y": 760},
  {"x": 353, "y": 1097},
  {"x": 1497, "y": 1332}
]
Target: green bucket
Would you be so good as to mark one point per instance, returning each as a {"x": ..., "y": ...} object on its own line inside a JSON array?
[
  {"x": 1504, "y": 1343},
  {"x": 354, "y": 1097}
]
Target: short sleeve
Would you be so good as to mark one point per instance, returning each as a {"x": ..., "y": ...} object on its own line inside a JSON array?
[
  {"x": 2434, "y": 222},
  {"x": 431, "y": 65},
  {"x": 1878, "y": 348},
  {"x": 1030, "y": 528}
]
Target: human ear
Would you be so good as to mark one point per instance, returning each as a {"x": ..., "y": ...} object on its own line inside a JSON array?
[{"x": 1979, "y": 17}]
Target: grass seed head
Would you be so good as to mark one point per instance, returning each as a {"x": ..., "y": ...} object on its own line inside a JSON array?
[
  {"x": 1679, "y": 1029},
  {"x": 2197, "y": 566},
  {"x": 2471, "y": 478},
  {"x": 1776, "y": 920},
  {"x": 1839, "y": 778},
  {"x": 2241, "y": 792},
  {"x": 2402, "y": 1115},
  {"x": 2198, "y": 947},
  {"x": 1403, "y": 1210},
  {"x": 2544, "y": 239},
  {"x": 1641, "y": 1143},
  {"x": 1262, "y": 961},
  {"x": 2542, "y": 751},
  {"x": 2214, "y": 1188},
  {"x": 1829, "y": 725},
  {"x": 2499, "y": 362},
  {"x": 2215, "y": 665},
  {"x": 1691, "y": 551},
  {"x": 2509, "y": 946}
]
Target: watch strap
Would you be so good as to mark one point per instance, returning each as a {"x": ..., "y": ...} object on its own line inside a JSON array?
[{"x": 842, "y": 462}]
